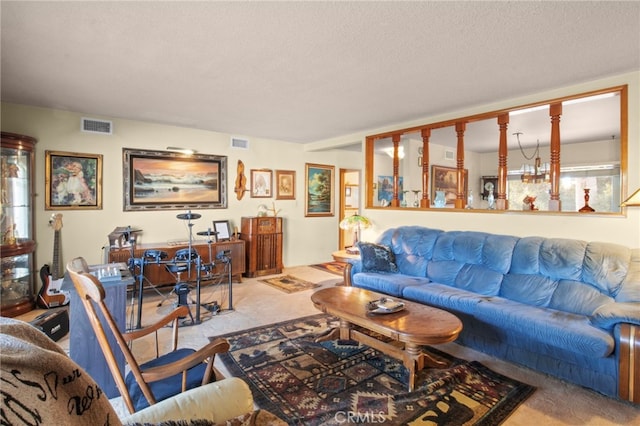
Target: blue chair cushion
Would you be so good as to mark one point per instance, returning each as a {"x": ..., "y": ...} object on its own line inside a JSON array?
[
  {"x": 168, "y": 387},
  {"x": 377, "y": 258}
]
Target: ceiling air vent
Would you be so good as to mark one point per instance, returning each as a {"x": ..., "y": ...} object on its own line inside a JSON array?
[
  {"x": 239, "y": 143},
  {"x": 93, "y": 125}
]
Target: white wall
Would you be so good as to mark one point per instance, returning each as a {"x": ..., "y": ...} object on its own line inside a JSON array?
[
  {"x": 623, "y": 229},
  {"x": 306, "y": 240}
]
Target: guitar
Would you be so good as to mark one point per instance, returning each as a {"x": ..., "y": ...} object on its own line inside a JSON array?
[{"x": 51, "y": 294}]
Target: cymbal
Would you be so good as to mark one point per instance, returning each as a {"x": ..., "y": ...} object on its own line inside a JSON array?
[
  {"x": 189, "y": 216},
  {"x": 208, "y": 233},
  {"x": 125, "y": 231}
]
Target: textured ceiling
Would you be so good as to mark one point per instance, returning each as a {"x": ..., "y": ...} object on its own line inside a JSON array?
[{"x": 304, "y": 71}]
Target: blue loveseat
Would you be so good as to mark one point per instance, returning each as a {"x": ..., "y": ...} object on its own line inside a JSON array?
[{"x": 564, "y": 307}]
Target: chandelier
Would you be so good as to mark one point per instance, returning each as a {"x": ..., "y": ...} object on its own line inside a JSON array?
[{"x": 536, "y": 172}]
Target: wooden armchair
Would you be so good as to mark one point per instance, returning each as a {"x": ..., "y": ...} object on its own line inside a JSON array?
[{"x": 165, "y": 376}]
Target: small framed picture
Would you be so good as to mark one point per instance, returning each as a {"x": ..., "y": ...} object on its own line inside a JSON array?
[
  {"x": 261, "y": 185},
  {"x": 73, "y": 181},
  {"x": 222, "y": 229},
  {"x": 286, "y": 185}
]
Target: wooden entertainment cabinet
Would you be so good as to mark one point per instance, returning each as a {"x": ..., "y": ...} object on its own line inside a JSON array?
[
  {"x": 157, "y": 274},
  {"x": 264, "y": 245}
]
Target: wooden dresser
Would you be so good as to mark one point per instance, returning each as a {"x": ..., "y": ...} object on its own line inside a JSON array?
[
  {"x": 157, "y": 273},
  {"x": 264, "y": 245}
]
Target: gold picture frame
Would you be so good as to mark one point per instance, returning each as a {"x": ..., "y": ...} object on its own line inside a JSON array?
[
  {"x": 73, "y": 181},
  {"x": 285, "y": 185},
  {"x": 318, "y": 192},
  {"x": 446, "y": 179}
]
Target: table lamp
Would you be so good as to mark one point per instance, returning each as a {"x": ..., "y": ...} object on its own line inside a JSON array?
[{"x": 356, "y": 223}]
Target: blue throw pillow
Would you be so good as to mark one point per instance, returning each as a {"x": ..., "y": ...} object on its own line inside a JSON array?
[{"x": 377, "y": 258}]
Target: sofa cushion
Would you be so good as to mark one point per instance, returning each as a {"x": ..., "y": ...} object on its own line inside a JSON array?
[
  {"x": 391, "y": 284},
  {"x": 577, "y": 297},
  {"x": 526, "y": 256},
  {"x": 412, "y": 240},
  {"x": 560, "y": 329},
  {"x": 410, "y": 264},
  {"x": 630, "y": 291},
  {"x": 533, "y": 290},
  {"x": 377, "y": 258},
  {"x": 475, "y": 278},
  {"x": 163, "y": 389},
  {"x": 442, "y": 296},
  {"x": 605, "y": 266},
  {"x": 562, "y": 258},
  {"x": 479, "y": 279}
]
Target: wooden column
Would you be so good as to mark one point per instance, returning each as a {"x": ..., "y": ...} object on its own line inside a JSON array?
[
  {"x": 501, "y": 199},
  {"x": 395, "y": 201},
  {"x": 555, "y": 111},
  {"x": 424, "y": 202},
  {"x": 368, "y": 170},
  {"x": 460, "y": 197}
]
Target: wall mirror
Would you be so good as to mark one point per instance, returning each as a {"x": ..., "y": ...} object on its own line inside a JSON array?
[{"x": 560, "y": 155}]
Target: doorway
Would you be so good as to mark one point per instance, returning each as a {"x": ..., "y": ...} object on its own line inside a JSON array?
[{"x": 349, "y": 203}]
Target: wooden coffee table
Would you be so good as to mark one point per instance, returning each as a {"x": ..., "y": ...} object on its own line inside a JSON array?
[{"x": 409, "y": 329}]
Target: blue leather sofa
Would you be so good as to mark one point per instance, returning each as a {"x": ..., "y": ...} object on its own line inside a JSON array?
[{"x": 568, "y": 308}]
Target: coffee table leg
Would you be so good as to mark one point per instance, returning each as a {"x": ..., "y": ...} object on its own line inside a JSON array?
[
  {"x": 415, "y": 360},
  {"x": 343, "y": 332}
]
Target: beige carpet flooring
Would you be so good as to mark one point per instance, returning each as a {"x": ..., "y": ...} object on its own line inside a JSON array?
[{"x": 553, "y": 403}]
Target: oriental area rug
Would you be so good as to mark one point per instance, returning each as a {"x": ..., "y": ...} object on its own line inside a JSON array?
[
  {"x": 343, "y": 382},
  {"x": 289, "y": 283}
]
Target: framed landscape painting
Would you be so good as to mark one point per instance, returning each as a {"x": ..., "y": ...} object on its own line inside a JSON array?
[
  {"x": 170, "y": 180},
  {"x": 73, "y": 181},
  {"x": 446, "y": 179},
  {"x": 318, "y": 190}
]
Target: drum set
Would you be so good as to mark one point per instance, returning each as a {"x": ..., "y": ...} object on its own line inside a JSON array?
[{"x": 186, "y": 260}]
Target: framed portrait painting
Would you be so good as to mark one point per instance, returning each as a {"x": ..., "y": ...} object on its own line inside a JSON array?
[
  {"x": 73, "y": 181},
  {"x": 261, "y": 183},
  {"x": 285, "y": 185},
  {"x": 318, "y": 190},
  {"x": 171, "y": 180},
  {"x": 446, "y": 179}
]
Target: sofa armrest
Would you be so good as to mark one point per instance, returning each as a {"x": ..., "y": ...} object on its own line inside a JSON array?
[
  {"x": 607, "y": 316},
  {"x": 217, "y": 402},
  {"x": 352, "y": 267},
  {"x": 628, "y": 374},
  {"x": 347, "y": 275}
]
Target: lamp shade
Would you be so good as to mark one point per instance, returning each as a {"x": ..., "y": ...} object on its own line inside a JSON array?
[
  {"x": 634, "y": 200},
  {"x": 355, "y": 221}
]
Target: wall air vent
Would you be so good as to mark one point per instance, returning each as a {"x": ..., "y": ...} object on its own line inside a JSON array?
[
  {"x": 239, "y": 143},
  {"x": 93, "y": 125},
  {"x": 449, "y": 155}
]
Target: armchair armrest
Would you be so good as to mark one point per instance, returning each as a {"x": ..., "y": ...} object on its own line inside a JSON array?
[{"x": 216, "y": 402}]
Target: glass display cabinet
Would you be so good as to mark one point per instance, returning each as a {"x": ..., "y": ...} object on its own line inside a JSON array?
[{"x": 16, "y": 225}]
